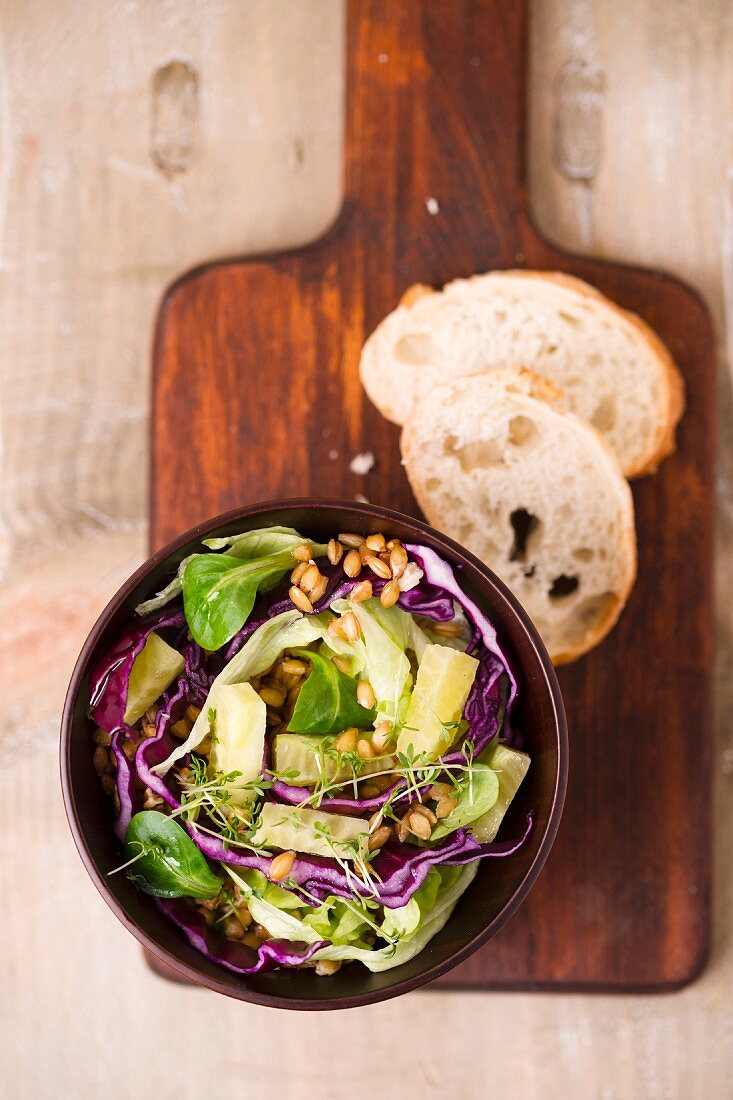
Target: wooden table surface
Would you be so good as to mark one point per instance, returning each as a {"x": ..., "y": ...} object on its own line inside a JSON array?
[{"x": 137, "y": 140}]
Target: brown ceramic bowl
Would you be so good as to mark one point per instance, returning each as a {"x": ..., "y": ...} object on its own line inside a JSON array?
[{"x": 500, "y": 886}]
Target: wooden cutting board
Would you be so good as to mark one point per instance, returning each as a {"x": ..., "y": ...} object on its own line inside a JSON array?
[{"x": 257, "y": 396}]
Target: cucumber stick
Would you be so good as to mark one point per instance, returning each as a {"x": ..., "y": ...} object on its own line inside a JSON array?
[
  {"x": 318, "y": 834},
  {"x": 302, "y": 754}
]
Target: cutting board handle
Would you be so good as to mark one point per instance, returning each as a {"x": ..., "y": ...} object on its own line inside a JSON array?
[{"x": 435, "y": 133}]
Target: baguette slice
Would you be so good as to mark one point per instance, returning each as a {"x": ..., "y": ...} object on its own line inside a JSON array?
[
  {"x": 497, "y": 462},
  {"x": 615, "y": 371}
]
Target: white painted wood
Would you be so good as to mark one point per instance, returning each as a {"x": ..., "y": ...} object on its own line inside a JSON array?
[{"x": 92, "y": 227}]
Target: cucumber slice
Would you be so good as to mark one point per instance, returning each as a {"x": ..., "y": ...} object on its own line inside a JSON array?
[
  {"x": 239, "y": 728},
  {"x": 153, "y": 670},
  {"x": 443, "y": 682},
  {"x": 318, "y": 834},
  {"x": 510, "y": 766},
  {"x": 302, "y": 753}
]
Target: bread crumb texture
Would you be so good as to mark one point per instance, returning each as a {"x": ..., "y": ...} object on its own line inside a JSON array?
[
  {"x": 497, "y": 463},
  {"x": 615, "y": 371}
]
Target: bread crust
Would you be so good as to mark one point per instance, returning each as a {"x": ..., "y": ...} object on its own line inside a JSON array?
[
  {"x": 414, "y": 293},
  {"x": 673, "y": 404},
  {"x": 672, "y": 381}
]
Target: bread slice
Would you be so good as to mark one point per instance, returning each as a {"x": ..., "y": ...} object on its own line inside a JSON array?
[
  {"x": 614, "y": 370},
  {"x": 498, "y": 463}
]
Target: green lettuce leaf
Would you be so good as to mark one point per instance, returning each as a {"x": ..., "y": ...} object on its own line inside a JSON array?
[
  {"x": 434, "y": 902},
  {"x": 327, "y": 702},
  {"x": 269, "y": 891},
  {"x": 453, "y": 882},
  {"x": 339, "y": 921},
  {"x": 262, "y": 542},
  {"x": 219, "y": 592},
  {"x": 380, "y": 654},
  {"x": 267, "y": 911},
  {"x": 403, "y": 923},
  {"x": 171, "y": 590}
]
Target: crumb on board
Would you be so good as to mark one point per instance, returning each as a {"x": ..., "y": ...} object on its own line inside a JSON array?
[
  {"x": 432, "y": 204},
  {"x": 333, "y": 455},
  {"x": 362, "y": 463}
]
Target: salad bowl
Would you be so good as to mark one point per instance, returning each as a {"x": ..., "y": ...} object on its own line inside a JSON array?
[{"x": 499, "y": 886}]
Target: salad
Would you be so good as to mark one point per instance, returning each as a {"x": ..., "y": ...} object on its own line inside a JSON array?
[{"x": 308, "y": 747}]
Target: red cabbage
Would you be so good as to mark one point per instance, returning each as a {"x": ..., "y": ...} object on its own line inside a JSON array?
[
  {"x": 110, "y": 677},
  {"x": 198, "y": 676},
  {"x": 440, "y": 574},
  {"x": 124, "y": 781},
  {"x": 398, "y": 870},
  {"x": 285, "y": 792},
  {"x": 472, "y": 848},
  {"x": 154, "y": 750},
  {"x": 235, "y": 956}
]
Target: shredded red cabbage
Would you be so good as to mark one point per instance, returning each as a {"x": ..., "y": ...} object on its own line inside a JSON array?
[
  {"x": 124, "y": 781},
  {"x": 198, "y": 675},
  {"x": 110, "y": 676},
  {"x": 228, "y": 953},
  {"x": 399, "y": 869}
]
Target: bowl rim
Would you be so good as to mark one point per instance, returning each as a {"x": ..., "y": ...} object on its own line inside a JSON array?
[{"x": 458, "y": 554}]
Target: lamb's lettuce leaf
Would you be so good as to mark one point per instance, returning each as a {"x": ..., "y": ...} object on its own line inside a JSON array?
[
  {"x": 219, "y": 589},
  {"x": 510, "y": 767},
  {"x": 161, "y": 859},
  {"x": 327, "y": 702}
]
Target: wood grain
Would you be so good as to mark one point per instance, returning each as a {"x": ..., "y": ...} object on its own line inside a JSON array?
[
  {"x": 270, "y": 69},
  {"x": 259, "y": 359}
]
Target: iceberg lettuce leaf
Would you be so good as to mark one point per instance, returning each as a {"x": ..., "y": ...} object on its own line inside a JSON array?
[
  {"x": 380, "y": 654},
  {"x": 219, "y": 589},
  {"x": 343, "y": 923},
  {"x": 453, "y": 882}
]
